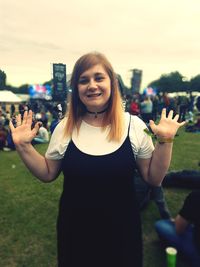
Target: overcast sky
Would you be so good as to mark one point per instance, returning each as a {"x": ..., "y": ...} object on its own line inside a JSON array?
[{"x": 157, "y": 36}]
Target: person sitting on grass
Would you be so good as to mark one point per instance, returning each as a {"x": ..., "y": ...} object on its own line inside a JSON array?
[
  {"x": 194, "y": 127},
  {"x": 183, "y": 232},
  {"x": 42, "y": 136}
]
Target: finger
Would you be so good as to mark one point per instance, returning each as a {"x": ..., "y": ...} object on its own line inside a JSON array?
[
  {"x": 18, "y": 120},
  {"x": 152, "y": 126},
  {"x": 36, "y": 127},
  {"x": 25, "y": 117},
  {"x": 182, "y": 123},
  {"x": 176, "y": 117},
  {"x": 170, "y": 115},
  {"x": 30, "y": 117},
  {"x": 163, "y": 114}
]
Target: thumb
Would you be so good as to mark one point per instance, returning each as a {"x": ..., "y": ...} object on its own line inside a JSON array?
[
  {"x": 36, "y": 127},
  {"x": 152, "y": 126}
]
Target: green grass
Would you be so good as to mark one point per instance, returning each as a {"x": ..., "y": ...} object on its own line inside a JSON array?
[{"x": 29, "y": 209}]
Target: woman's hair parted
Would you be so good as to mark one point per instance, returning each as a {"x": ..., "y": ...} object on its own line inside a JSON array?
[{"x": 114, "y": 114}]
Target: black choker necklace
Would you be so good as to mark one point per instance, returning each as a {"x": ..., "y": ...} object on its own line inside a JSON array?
[{"x": 96, "y": 112}]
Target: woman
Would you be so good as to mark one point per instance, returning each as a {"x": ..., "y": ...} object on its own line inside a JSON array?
[{"x": 97, "y": 146}]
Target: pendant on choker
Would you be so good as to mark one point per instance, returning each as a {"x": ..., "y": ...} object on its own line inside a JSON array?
[{"x": 97, "y": 112}]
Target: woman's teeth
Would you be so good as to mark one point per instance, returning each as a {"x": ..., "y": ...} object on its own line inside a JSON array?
[{"x": 94, "y": 95}]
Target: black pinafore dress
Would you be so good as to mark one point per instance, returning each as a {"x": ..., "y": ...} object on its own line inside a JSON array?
[{"x": 99, "y": 222}]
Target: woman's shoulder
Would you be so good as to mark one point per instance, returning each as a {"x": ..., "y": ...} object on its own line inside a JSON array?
[
  {"x": 58, "y": 143},
  {"x": 134, "y": 121},
  {"x": 60, "y": 125}
]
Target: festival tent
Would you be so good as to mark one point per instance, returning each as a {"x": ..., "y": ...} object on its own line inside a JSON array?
[{"x": 9, "y": 97}]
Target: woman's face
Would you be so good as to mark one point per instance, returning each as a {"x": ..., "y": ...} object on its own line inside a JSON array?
[{"x": 94, "y": 88}]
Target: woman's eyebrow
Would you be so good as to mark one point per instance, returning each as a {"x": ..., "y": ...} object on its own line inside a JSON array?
[
  {"x": 83, "y": 77},
  {"x": 99, "y": 73},
  {"x": 95, "y": 74}
]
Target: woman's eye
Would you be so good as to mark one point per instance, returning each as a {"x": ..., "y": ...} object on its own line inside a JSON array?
[
  {"x": 99, "y": 79},
  {"x": 83, "y": 81}
]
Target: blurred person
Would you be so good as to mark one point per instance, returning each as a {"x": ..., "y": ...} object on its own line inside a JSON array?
[
  {"x": 7, "y": 118},
  {"x": 3, "y": 136},
  {"x": 9, "y": 145},
  {"x": 2, "y": 118},
  {"x": 195, "y": 127},
  {"x": 134, "y": 107},
  {"x": 57, "y": 116},
  {"x": 183, "y": 233},
  {"x": 97, "y": 146},
  {"x": 155, "y": 112},
  {"x": 146, "y": 108},
  {"x": 44, "y": 119},
  {"x": 42, "y": 136},
  {"x": 12, "y": 109},
  {"x": 183, "y": 107},
  {"x": 198, "y": 103},
  {"x": 146, "y": 193},
  {"x": 166, "y": 101}
]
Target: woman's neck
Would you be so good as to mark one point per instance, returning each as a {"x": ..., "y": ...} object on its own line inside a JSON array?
[{"x": 94, "y": 120}]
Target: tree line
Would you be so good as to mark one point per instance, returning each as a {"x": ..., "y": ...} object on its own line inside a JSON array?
[
  {"x": 172, "y": 82},
  {"x": 176, "y": 82}
]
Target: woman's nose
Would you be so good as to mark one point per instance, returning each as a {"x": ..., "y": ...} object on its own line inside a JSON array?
[{"x": 92, "y": 84}]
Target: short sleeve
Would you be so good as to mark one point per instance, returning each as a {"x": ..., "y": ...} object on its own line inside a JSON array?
[
  {"x": 141, "y": 142},
  {"x": 58, "y": 144}
]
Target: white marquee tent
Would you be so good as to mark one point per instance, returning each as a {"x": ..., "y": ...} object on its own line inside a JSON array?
[{"x": 9, "y": 97}]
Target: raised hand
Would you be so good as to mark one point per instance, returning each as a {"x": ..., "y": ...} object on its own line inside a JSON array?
[
  {"x": 167, "y": 126},
  {"x": 23, "y": 133}
]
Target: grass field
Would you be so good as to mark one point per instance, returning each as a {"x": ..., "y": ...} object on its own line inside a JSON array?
[{"x": 28, "y": 210}]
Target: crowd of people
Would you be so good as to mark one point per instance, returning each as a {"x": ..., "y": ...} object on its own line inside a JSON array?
[
  {"x": 150, "y": 106},
  {"x": 144, "y": 106},
  {"x": 47, "y": 113}
]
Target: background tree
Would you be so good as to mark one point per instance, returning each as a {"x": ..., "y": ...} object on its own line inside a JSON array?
[
  {"x": 172, "y": 82},
  {"x": 23, "y": 89},
  {"x": 195, "y": 83},
  {"x": 2, "y": 80}
]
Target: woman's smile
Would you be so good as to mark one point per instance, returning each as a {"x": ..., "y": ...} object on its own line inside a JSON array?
[{"x": 95, "y": 95}]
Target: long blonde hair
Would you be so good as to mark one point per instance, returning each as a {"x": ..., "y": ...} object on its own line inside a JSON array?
[{"x": 114, "y": 114}]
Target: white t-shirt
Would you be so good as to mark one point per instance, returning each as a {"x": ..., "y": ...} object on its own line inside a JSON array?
[{"x": 93, "y": 141}]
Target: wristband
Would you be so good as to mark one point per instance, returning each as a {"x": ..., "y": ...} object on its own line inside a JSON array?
[{"x": 162, "y": 140}]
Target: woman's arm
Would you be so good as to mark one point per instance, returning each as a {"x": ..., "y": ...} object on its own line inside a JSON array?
[
  {"x": 44, "y": 169},
  {"x": 155, "y": 168}
]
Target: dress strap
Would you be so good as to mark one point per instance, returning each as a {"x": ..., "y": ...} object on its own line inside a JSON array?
[{"x": 129, "y": 125}]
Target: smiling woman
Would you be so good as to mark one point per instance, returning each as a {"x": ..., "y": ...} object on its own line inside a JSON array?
[
  {"x": 98, "y": 147},
  {"x": 94, "y": 88}
]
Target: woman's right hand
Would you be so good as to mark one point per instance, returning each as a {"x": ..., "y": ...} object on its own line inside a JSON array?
[{"x": 23, "y": 133}]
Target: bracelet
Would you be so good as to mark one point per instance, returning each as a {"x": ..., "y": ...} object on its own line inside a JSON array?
[{"x": 162, "y": 140}]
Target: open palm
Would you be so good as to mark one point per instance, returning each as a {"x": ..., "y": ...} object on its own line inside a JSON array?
[
  {"x": 167, "y": 126},
  {"x": 23, "y": 133}
]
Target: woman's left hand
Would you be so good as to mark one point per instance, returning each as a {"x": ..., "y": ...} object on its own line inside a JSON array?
[{"x": 167, "y": 126}]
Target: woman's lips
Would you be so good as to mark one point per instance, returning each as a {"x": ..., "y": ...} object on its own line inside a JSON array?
[{"x": 94, "y": 95}]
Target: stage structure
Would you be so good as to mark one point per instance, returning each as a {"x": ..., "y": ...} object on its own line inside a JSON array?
[
  {"x": 59, "y": 92},
  {"x": 136, "y": 80}
]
